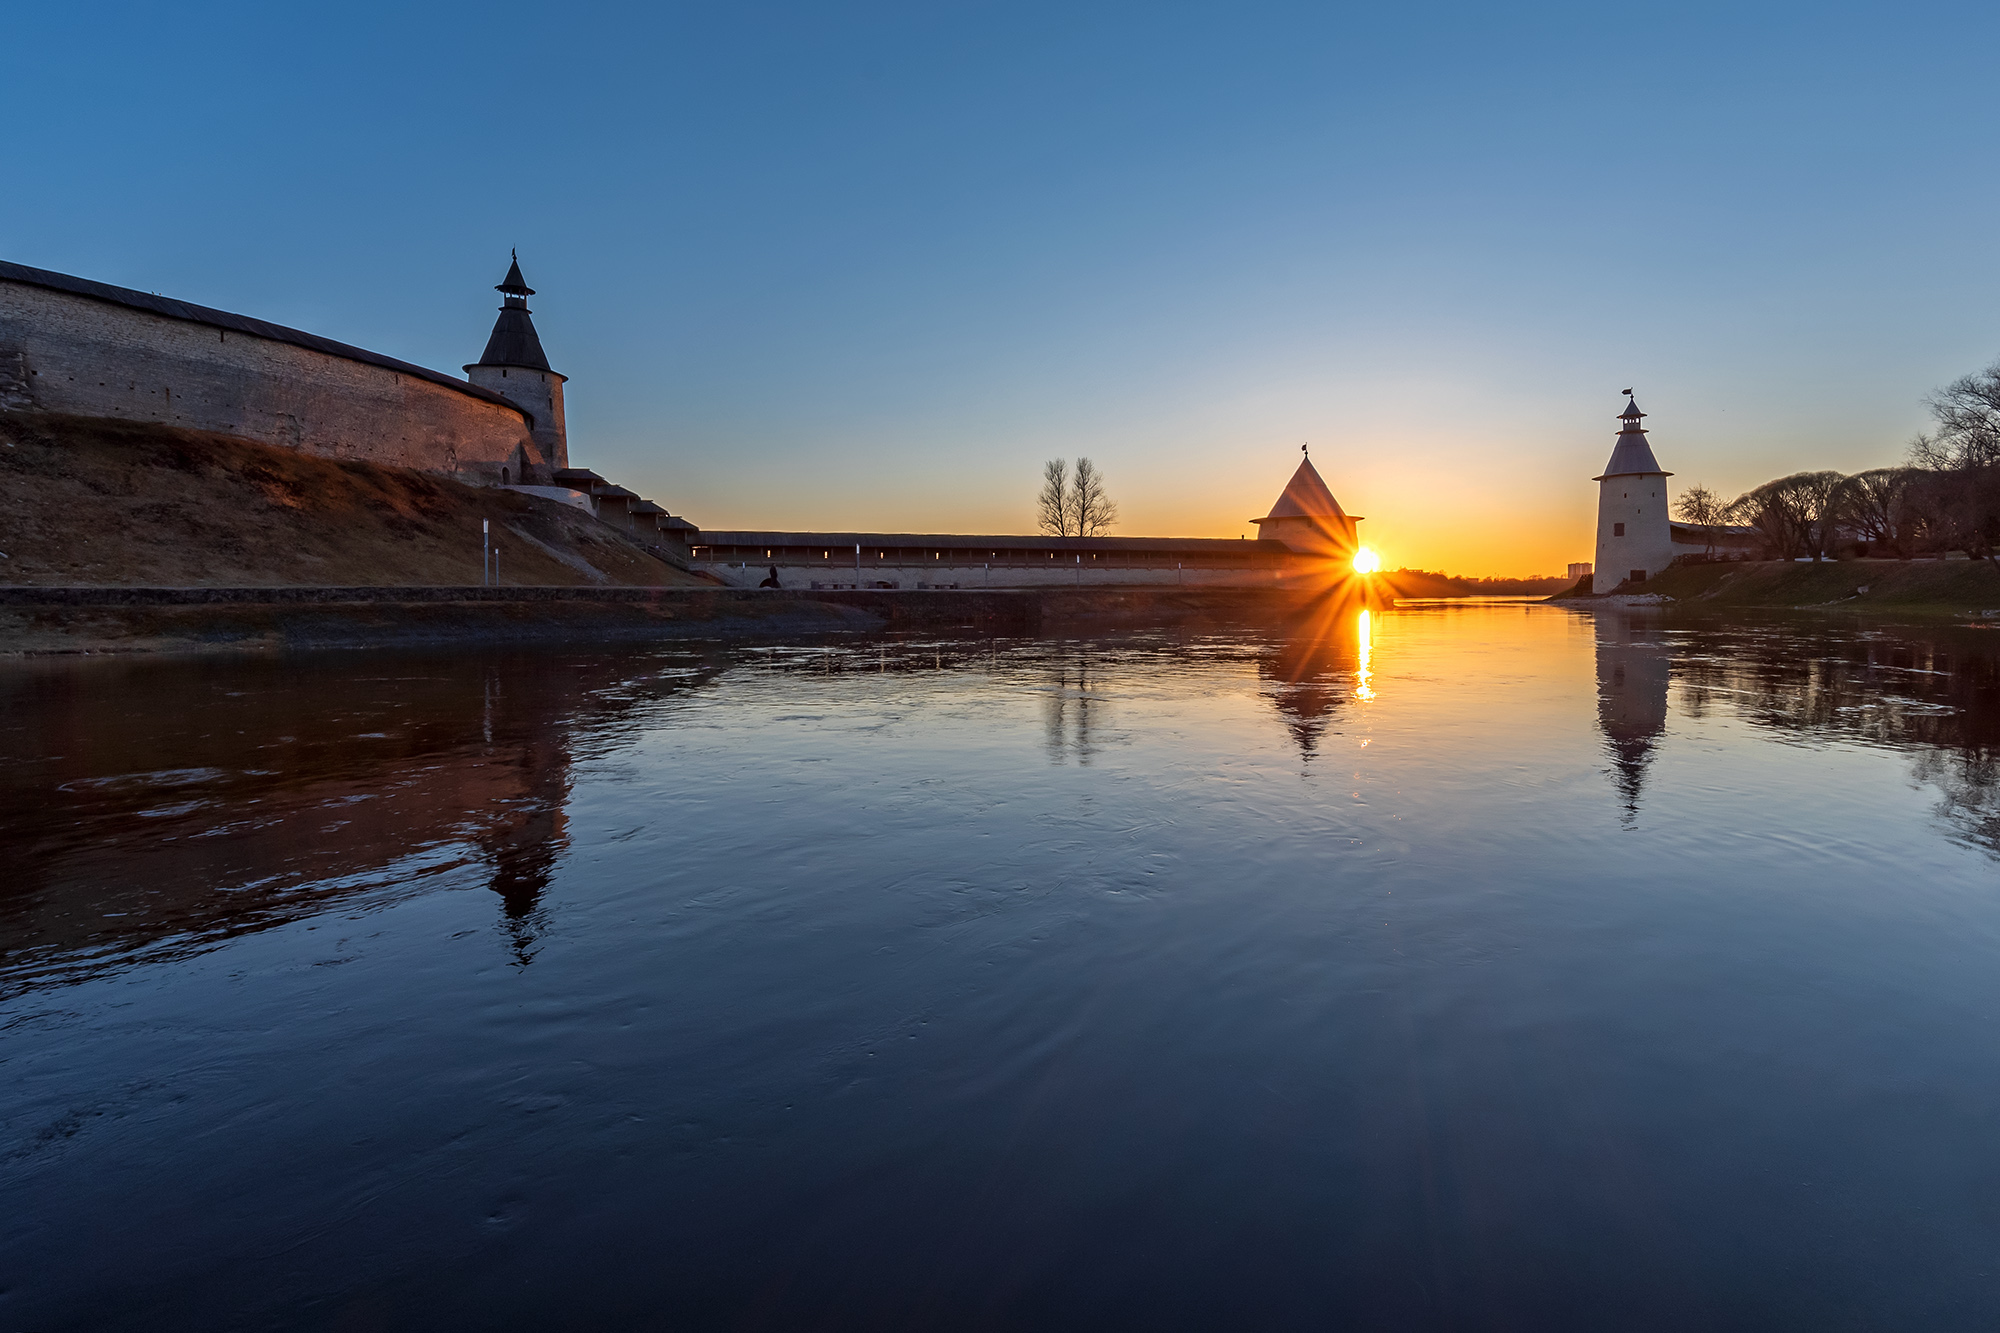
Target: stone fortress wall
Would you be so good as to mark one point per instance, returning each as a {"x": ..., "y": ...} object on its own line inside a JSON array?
[
  {"x": 76, "y": 347},
  {"x": 1192, "y": 573},
  {"x": 68, "y": 345},
  {"x": 743, "y": 559}
]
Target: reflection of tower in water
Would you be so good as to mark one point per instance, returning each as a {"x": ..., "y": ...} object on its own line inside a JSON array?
[
  {"x": 1633, "y": 671},
  {"x": 523, "y": 844},
  {"x": 1321, "y": 665}
]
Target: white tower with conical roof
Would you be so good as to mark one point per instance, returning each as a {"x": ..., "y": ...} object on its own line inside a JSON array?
[{"x": 1635, "y": 539}]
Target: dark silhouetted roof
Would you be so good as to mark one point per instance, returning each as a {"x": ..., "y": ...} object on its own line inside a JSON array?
[
  {"x": 513, "y": 284},
  {"x": 1631, "y": 411},
  {"x": 222, "y": 319},
  {"x": 514, "y": 342}
]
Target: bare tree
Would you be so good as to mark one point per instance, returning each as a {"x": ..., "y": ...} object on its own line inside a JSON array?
[
  {"x": 1962, "y": 460},
  {"x": 1878, "y": 505},
  {"x": 1967, "y": 412},
  {"x": 1928, "y": 520},
  {"x": 1702, "y": 508},
  {"x": 1052, "y": 506},
  {"x": 1092, "y": 512},
  {"x": 1795, "y": 515}
]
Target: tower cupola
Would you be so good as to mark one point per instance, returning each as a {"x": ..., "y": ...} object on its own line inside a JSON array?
[
  {"x": 514, "y": 284},
  {"x": 515, "y": 367}
]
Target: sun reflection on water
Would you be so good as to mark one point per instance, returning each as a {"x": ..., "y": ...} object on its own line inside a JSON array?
[{"x": 1364, "y": 631}]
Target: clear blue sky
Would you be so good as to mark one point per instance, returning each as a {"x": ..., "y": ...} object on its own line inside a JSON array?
[{"x": 868, "y": 266}]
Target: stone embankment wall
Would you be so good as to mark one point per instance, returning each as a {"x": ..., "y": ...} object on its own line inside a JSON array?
[{"x": 73, "y": 352}]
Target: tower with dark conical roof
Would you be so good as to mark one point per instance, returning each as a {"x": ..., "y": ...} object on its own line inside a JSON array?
[
  {"x": 1635, "y": 539},
  {"x": 515, "y": 367},
  {"x": 1308, "y": 519}
]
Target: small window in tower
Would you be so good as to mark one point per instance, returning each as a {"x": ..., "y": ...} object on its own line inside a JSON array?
[
  {"x": 1638, "y": 576},
  {"x": 1618, "y": 529}
]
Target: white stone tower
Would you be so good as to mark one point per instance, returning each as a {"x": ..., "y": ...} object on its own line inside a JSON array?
[
  {"x": 515, "y": 367},
  {"x": 1635, "y": 540}
]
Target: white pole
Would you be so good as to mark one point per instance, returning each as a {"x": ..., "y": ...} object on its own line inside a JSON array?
[{"x": 484, "y": 578}]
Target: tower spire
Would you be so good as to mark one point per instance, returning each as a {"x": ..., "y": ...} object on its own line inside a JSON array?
[
  {"x": 513, "y": 284},
  {"x": 1631, "y": 416},
  {"x": 514, "y": 341}
]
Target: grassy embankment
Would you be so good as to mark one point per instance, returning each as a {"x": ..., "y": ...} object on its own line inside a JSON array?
[
  {"x": 1907, "y": 587},
  {"x": 85, "y": 501}
]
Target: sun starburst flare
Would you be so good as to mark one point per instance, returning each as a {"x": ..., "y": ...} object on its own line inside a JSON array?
[{"x": 1366, "y": 561}]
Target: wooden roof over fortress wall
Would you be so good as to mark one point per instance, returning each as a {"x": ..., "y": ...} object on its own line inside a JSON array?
[
  {"x": 1211, "y": 547},
  {"x": 223, "y": 319}
]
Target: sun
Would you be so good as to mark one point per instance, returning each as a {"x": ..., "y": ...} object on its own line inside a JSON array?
[{"x": 1366, "y": 561}]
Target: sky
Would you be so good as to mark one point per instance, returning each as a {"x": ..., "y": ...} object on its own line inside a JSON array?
[{"x": 866, "y": 266}]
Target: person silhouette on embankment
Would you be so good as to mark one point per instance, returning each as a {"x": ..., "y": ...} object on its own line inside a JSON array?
[{"x": 771, "y": 582}]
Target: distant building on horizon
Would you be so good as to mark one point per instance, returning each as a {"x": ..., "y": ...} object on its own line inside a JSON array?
[{"x": 1635, "y": 538}]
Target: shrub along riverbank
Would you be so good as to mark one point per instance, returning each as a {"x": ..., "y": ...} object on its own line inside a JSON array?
[{"x": 1923, "y": 587}]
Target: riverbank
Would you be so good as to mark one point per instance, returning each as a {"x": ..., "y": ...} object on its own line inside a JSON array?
[
  {"x": 1930, "y": 588},
  {"x": 85, "y": 501},
  {"x": 38, "y": 622}
]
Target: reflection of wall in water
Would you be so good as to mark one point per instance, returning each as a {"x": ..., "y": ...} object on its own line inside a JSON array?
[
  {"x": 1633, "y": 672},
  {"x": 190, "y": 802}
]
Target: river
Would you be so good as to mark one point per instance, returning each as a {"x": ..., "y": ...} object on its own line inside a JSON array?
[{"x": 1456, "y": 967}]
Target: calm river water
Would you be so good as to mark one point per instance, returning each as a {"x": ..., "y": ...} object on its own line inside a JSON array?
[{"x": 1481, "y": 967}]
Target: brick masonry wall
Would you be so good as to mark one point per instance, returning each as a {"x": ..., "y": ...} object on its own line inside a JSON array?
[
  {"x": 541, "y": 393},
  {"x": 61, "y": 352}
]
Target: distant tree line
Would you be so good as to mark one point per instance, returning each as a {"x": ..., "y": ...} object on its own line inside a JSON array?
[
  {"x": 1074, "y": 504},
  {"x": 1946, "y": 498},
  {"x": 1428, "y": 583}
]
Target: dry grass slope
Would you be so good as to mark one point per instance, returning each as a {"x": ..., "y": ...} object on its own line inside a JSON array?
[{"x": 85, "y": 501}]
